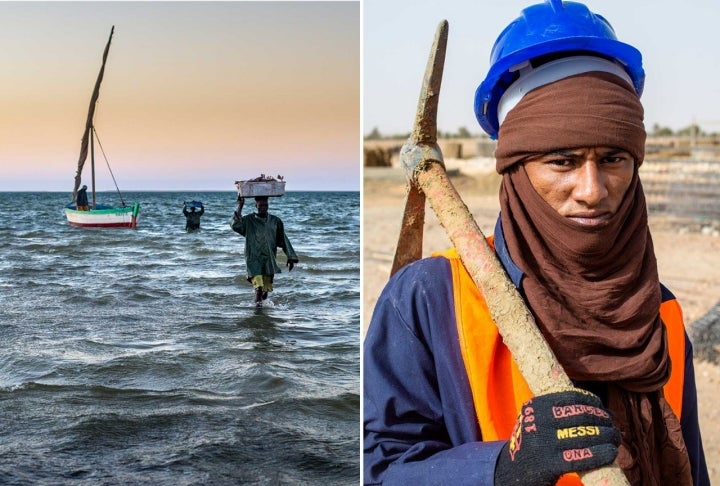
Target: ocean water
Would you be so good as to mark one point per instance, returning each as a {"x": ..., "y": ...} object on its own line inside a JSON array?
[{"x": 138, "y": 357}]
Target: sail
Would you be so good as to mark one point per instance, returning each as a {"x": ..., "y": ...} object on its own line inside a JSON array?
[{"x": 91, "y": 114}]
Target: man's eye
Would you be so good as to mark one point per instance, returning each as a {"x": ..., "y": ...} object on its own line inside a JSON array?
[{"x": 560, "y": 162}]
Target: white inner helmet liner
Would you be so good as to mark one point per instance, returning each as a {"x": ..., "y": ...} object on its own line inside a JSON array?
[{"x": 531, "y": 78}]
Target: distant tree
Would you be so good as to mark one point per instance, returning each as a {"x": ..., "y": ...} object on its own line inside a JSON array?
[
  {"x": 374, "y": 135},
  {"x": 658, "y": 131},
  {"x": 463, "y": 133},
  {"x": 693, "y": 129}
]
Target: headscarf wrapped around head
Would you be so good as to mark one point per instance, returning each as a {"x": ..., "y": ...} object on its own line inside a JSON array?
[{"x": 595, "y": 109}]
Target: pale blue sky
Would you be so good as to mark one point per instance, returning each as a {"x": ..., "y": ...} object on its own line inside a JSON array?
[{"x": 679, "y": 42}]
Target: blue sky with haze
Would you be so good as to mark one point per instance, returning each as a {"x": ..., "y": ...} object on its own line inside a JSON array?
[{"x": 679, "y": 42}]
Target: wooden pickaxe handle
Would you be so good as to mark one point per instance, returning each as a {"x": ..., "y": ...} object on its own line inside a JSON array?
[{"x": 536, "y": 361}]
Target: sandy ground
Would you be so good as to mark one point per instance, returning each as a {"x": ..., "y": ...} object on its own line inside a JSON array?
[{"x": 689, "y": 264}]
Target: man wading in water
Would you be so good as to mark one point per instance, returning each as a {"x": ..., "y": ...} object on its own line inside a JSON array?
[
  {"x": 192, "y": 217},
  {"x": 264, "y": 233}
]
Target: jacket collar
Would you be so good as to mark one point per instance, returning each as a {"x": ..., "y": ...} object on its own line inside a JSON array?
[{"x": 501, "y": 250}]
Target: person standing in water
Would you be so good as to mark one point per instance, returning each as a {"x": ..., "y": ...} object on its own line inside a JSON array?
[
  {"x": 192, "y": 217},
  {"x": 264, "y": 233}
]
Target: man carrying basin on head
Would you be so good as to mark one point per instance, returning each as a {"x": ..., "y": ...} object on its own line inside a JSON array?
[
  {"x": 264, "y": 233},
  {"x": 444, "y": 401}
]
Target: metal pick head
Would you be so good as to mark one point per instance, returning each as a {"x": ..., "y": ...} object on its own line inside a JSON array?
[
  {"x": 422, "y": 144},
  {"x": 425, "y": 129}
]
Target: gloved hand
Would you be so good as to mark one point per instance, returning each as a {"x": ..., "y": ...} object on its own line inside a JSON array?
[
  {"x": 557, "y": 433},
  {"x": 291, "y": 264}
]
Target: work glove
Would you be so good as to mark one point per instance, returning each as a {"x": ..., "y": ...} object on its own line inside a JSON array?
[
  {"x": 291, "y": 264},
  {"x": 557, "y": 433}
]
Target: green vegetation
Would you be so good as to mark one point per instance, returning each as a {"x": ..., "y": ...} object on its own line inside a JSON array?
[
  {"x": 461, "y": 132},
  {"x": 691, "y": 130},
  {"x": 655, "y": 131}
]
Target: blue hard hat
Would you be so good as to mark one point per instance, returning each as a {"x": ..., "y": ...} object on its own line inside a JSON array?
[{"x": 549, "y": 30}]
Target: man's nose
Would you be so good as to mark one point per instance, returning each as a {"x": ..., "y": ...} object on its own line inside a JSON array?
[{"x": 590, "y": 187}]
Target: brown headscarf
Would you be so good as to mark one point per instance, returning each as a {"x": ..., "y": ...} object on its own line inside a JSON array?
[{"x": 595, "y": 293}]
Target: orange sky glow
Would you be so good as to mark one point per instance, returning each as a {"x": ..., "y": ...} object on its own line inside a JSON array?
[{"x": 196, "y": 94}]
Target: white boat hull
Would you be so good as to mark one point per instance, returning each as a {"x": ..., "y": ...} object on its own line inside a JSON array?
[{"x": 104, "y": 217}]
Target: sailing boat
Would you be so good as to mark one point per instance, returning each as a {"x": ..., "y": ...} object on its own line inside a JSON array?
[{"x": 98, "y": 215}]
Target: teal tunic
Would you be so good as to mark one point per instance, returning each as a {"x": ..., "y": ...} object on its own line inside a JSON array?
[{"x": 263, "y": 236}]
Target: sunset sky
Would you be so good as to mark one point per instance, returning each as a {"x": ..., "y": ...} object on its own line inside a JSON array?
[{"x": 196, "y": 95}]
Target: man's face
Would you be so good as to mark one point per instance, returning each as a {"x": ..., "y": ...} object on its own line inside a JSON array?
[
  {"x": 586, "y": 185},
  {"x": 262, "y": 207}
]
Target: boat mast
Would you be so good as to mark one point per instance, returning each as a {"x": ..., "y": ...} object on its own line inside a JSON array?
[{"x": 92, "y": 162}]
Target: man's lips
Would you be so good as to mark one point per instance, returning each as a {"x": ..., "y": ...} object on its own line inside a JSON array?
[{"x": 590, "y": 218}]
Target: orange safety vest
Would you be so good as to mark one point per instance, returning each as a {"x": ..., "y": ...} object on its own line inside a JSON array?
[{"x": 498, "y": 387}]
